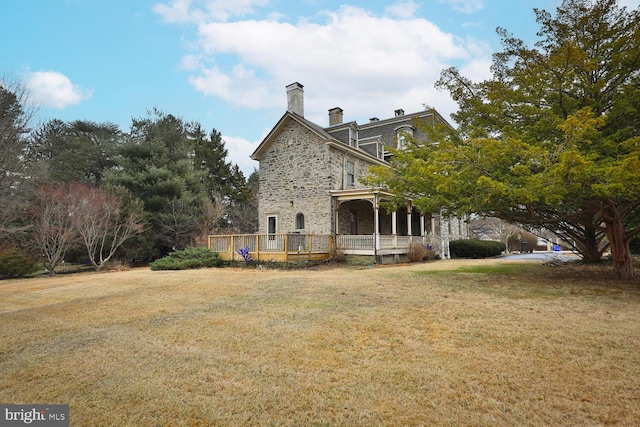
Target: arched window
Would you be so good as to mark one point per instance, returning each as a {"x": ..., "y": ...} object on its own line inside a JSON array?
[
  {"x": 299, "y": 221},
  {"x": 402, "y": 133}
]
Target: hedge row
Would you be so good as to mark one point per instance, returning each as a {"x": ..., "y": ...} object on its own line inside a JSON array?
[{"x": 475, "y": 248}]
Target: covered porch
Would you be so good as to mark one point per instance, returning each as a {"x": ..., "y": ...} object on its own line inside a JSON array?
[
  {"x": 361, "y": 227},
  {"x": 364, "y": 227}
]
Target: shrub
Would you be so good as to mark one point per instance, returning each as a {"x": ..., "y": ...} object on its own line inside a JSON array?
[
  {"x": 475, "y": 248},
  {"x": 416, "y": 252},
  {"x": 14, "y": 263},
  {"x": 188, "y": 258}
]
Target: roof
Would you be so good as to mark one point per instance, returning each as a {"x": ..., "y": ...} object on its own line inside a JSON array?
[
  {"x": 319, "y": 131},
  {"x": 384, "y": 129},
  {"x": 284, "y": 120}
]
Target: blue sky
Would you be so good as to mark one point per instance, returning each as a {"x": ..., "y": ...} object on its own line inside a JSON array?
[{"x": 225, "y": 63}]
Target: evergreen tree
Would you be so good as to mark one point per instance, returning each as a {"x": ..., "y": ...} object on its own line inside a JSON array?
[
  {"x": 18, "y": 179},
  {"x": 225, "y": 182},
  {"x": 552, "y": 139},
  {"x": 79, "y": 151},
  {"x": 156, "y": 165}
]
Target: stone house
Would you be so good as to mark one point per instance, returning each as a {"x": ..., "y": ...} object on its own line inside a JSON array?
[{"x": 310, "y": 181}]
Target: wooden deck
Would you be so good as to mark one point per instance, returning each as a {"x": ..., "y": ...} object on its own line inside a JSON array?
[
  {"x": 294, "y": 247},
  {"x": 273, "y": 247}
]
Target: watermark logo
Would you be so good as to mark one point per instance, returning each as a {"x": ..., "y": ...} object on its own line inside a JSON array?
[{"x": 34, "y": 415}]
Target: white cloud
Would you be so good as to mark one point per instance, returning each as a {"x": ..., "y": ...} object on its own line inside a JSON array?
[
  {"x": 238, "y": 150},
  {"x": 54, "y": 89},
  {"x": 465, "y": 6},
  {"x": 353, "y": 57},
  {"x": 240, "y": 87},
  {"x": 178, "y": 11},
  {"x": 403, "y": 9},
  {"x": 367, "y": 64},
  {"x": 183, "y": 11},
  {"x": 189, "y": 63}
]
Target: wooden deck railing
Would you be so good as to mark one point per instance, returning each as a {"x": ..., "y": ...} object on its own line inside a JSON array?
[{"x": 277, "y": 247}]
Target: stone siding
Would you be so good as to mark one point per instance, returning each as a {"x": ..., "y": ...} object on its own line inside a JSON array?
[
  {"x": 295, "y": 178},
  {"x": 297, "y": 173}
]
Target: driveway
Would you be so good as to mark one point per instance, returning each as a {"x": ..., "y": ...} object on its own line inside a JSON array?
[{"x": 542, "y": 256}]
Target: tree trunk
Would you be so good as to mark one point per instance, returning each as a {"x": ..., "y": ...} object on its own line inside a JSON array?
[
  {"x": 589, "y": 246},
  {"x": 619, "y": 244}
]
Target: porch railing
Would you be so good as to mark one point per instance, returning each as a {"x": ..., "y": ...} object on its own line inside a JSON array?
[
  {"x": 316, "y": 246},
  {"x": 362, "y": 243},
  {"x": 311, "y": 246}
]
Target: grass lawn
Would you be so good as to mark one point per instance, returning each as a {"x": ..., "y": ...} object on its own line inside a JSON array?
[{"x": 443, "y": 343}]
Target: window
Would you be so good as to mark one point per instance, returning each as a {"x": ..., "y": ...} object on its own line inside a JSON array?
[
  {"x": 271, "y": 227},
  {"x": 299, "y": 221},
  {"x": 351, "y": 174},
  {"x": 402, "y": 134},
  {"x": 353, "y": 137},
  {"x": 401, "y": 141}
]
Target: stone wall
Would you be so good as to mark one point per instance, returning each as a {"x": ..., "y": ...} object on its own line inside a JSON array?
[
  {"x": 297, "y": 173},
  {"x": 294, "y": 178}
]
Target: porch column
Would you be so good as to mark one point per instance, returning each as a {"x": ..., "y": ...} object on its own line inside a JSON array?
[
  {"x": 394, "y": 223},
  {"x": 376, "y": 224},
  {"x": 433, "y": 224},
  {"x": 422, "y": 233},
  {"x": 336, "y": 208},
  {"x": 409, "y": 221}
]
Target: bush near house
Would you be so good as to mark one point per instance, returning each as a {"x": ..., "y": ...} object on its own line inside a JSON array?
[
  {"x": 14, "y": 263},
  {"x": 418, "y": 252},
  {"x": 474, "y": 248},
  {"x": 188, "y": 258}
]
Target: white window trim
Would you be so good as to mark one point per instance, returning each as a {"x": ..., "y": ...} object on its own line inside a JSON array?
[{"x": 352, "y": 174}]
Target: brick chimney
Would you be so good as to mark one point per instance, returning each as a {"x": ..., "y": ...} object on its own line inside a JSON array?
[
  {"x": 295, "y": 98},
  {"x": 335, "y": 116}
]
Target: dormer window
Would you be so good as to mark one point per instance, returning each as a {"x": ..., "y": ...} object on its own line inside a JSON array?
[
  {"x": 353, "y": 138},
  {"x": 402, "y": 135}
]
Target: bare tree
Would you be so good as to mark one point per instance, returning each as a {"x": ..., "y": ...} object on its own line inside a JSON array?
[
  {"x": 52, "y": 225},
  {"x": 102, "y": 221},
  {"x": 68, "y": 214}
]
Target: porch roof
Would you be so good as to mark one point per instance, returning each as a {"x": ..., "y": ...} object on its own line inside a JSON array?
[{"x": 361, "y": 194}]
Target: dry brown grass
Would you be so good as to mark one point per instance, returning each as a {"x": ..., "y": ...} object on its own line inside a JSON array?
[{"x": 424, "y": 344}]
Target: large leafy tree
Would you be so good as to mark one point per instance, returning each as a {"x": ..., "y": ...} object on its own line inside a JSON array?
[{"x": 552, "y": 139}]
